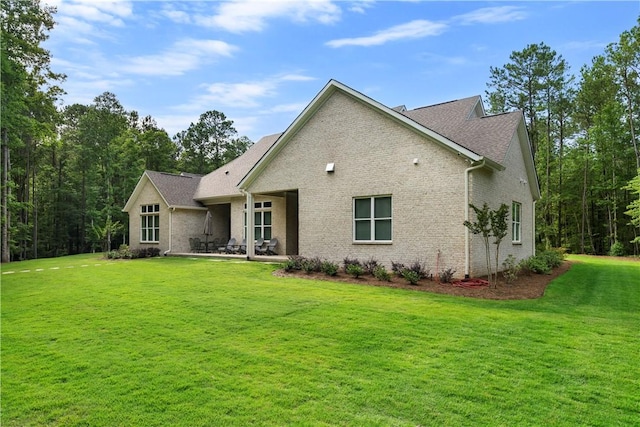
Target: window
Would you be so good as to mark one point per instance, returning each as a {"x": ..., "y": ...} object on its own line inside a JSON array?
[
  {"x": 372, "y": 219},
  {"x": 516, "y": 222},
  {"x": 262, "y": 221},
  {"x": 150, "y": 223}
]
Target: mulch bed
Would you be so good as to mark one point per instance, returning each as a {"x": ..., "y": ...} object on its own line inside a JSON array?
[{"x": 525, "y": 287}]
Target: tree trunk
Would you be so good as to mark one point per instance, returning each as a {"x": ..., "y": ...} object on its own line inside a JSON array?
[{"x": 6, "y": 192}]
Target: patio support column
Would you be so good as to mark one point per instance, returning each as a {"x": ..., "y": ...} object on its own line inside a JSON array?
[{"x": 251, "y": 247}]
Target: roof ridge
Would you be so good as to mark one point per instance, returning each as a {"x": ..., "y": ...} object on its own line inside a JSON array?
[{"x": 444, "y": 103}]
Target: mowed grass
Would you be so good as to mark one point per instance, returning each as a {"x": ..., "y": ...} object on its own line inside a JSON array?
[{"x": 196, "y": 342}]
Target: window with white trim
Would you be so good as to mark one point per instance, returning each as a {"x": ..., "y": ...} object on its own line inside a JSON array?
[
  {"x": 150, "y": 223},
  {"x": 262, "y": 220},
  {"x": 516, "y": 222},
  {"x": 372, "y": 219}
]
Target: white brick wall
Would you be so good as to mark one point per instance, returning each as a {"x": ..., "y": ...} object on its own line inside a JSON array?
[
  {"x": 503, "y": 187},
  {"x": 373, "y": 156},
  {"x": 183, "y": 223}
]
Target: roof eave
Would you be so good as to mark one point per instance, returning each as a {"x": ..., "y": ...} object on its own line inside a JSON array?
[{"x": 136, "y": 192}]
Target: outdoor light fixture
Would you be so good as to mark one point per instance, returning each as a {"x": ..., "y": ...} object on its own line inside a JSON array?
[
  {"x": 331, "y": 167},
  {"x": 415, "y": 161}
]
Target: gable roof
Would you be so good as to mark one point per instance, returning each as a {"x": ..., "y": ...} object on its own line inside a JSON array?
[
  {"x": 176, "y": 190},
  {"x": 442, "y": 134},
  {"x": 223, "y": 182}
]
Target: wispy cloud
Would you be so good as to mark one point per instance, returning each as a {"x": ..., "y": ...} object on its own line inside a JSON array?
[
  {"x": 183, "y": 56},
  {"x": 240, "y": 95},
  {"x": 492, "y": 15},
  {"x": 411, "y": 30},
  {"x": 422, "y": 28},
  {"x": 81, "y": 21},
  {"x": 252, "y": 15}
]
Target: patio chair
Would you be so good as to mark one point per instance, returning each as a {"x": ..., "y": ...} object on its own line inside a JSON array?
[
  {"x": 268, "y": 248},
  {"x": 198, "y": 245},
  {"x": 231, "y": 244},
  {"x": 242, "y": 249},
  {"x": 192, "y": 245},
  {"x": 259, "y": 245}
]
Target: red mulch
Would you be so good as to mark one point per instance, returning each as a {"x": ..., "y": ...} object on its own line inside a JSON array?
[{"x": 525, "y": 287}]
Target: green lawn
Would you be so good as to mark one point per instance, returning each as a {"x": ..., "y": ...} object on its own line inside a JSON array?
[{"x": 196, "y": 342}]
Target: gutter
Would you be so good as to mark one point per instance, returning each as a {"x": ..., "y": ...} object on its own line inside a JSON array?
[{"x": 466, "y": 214}]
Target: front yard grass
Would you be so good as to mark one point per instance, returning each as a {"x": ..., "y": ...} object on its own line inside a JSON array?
[{"x": 197, "y": 342}]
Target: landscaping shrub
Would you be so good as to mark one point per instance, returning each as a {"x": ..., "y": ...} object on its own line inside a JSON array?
[
  {"x": 310, "y": 265},
  {"x": 381, "y": 273},
  {"x": 617, "y": 249},
  {"x": 293, "y": 263},
  {"x": 397, "y": 268},
  {"x": 411, "y": 276},
  {"x": 329, "y": 268},
  {"x": 510, "y": 269},
  {"x": 535, "y": 264},
  {"x": 350, "y": 261},
  {"x": 139, "y": 253},
  {"x": 356, "y": 270},
  {"x": 420, "y": 269},
  {"x": 553, "y": 258},
  {"x": 370, "y": 265},
  {"x": 153, "y": 252},
  {"x": 446, "y": 275}
]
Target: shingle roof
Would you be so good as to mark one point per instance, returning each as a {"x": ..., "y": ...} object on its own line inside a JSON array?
[
  {"x": 223, "y": 182},
  {"x": 177, "y": 190},
  {"x": 463, "y": 122}
]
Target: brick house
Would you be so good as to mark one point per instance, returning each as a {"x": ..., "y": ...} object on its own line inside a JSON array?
[{"x": 352, "y": 177}]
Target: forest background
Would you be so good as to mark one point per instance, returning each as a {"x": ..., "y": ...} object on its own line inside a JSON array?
[{"x": 67, "y": 171}]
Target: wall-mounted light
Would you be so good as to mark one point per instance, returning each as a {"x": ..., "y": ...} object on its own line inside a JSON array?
[
  {"x": 331, "y": 167},
  {"x": 415, "y": 161}
]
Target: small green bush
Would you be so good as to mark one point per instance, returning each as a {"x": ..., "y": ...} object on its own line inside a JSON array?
[
  {"x": 420, "y": 269},
  {"x": 511, "y": 269},
  {"x": 617, "y": 249},
  {"x": 535, "y": 264},
  {"x": 553, "y": 257},
  {"x": 356, "y": 270},
  {"x": 329, "y": 268},
  {"x": 411, "y": 276},
  {"x": 310, "y": 265},
  {"x": 346, "y": 262},
  {"x": 381, "y": 273},
  {"x": 293, "y": 263}
]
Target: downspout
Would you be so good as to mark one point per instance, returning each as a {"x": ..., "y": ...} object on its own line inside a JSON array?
[
  {"x": 533, "y": 229},
  {"x": 171, "y": 209},
  {"x": 466, "y": 216}
]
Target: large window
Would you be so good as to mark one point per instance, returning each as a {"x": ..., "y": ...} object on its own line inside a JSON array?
[
  {"x": 150, "y": 223},
  {"x": 372, "y": 220},
  {"x": 516, "y": 222},
  {"x": 262, "y": 221}
]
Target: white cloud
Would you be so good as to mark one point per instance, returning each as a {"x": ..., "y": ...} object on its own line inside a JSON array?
[
  {"x": 252, "y": 15},
  {"x": 411, "y": 30},
  {"x": 82, "y": 21},
  {"x": 240, "y": 95},
  {"x": 492, "y": 15},
  {"x": 183, "y": 56}
]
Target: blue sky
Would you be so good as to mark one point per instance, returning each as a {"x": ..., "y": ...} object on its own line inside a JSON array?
[{"x": 261, "y": 62}]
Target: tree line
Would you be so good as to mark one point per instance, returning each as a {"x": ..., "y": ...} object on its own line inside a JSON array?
[
  {"x": 584, "y": 134},
  {"x": 68, "y": 171}
]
